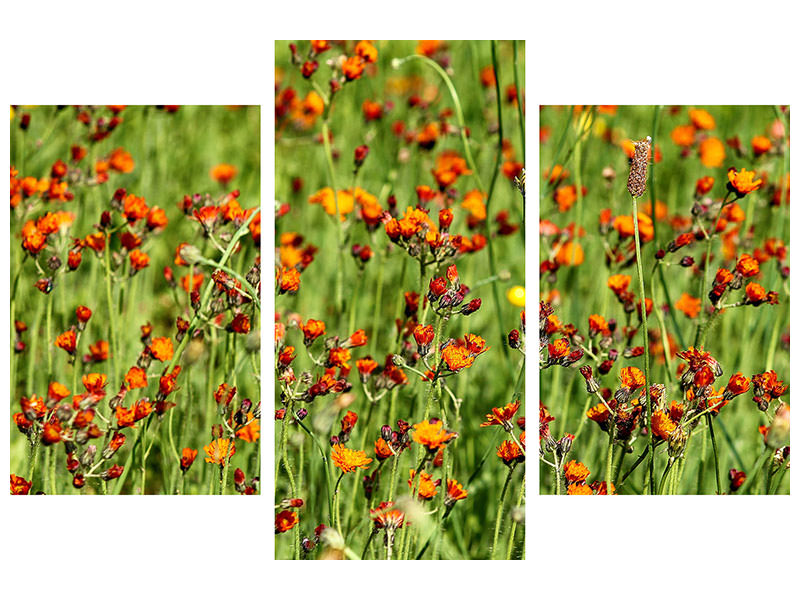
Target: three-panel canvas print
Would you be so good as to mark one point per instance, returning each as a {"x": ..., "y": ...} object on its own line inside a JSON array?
[{"x": 390, "y": 377}]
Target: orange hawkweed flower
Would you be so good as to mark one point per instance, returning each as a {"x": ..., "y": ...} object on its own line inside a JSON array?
[
  {"x": 338, "y": 357},
  {"x": 432, "y": 434},
  {"x": 139, "y": 260},
  {"x": 94, "y": 383},
  {"x": 712, "y": 152},
  {"x": 349, "y": 460},
  {"x": 382, "y": 450},
  {"x": 219, "y": 451},
  {"x": 509, "y": 452},
  {"x": 223, "y": 173},
  {"x": 134, "y": 208},
  {"x": 250, "y": 432},
  {"x": 623, "y": 224},
  {"x": 190, "y": 283},
  {"x": 473, "y": 203},
  {"x": 455, "y": 492},
  {"x": 662, "y": 425},
  {"x": 121, "y": 161},
  {"x": 704, "y": 185},
  {"x": 312, "y": 330},
  {"x": 20, "y": 486},
  {"x": 743, "y": 182},
  {"x": 57, "y": 391},
  {"x": 575, "y": 472},
  {"x": 632, "y": 377},
  {"x": 325, "y": 197},
  {"x": 747, "y": 266},
  {"x": 353, "y": 67},
  {"x": 579, "y": 489},
  {"x": 755, "y": 293},
  {"x": 502, "y": 416},
  {"x": 702, "y": 119},
  {"x": 570, "y": 254},
  {"x": 761, "y": 145},
  {"x": 187, "y": 458},
  {"x": 683, "y": 135},
  {"x": 285, "y": 520},
  {"x": 385, "y": 516},
  {"x": 67, "y": 341},
  {"x": 366, "y": 51},
  {"x": 619, "y": 283},
  {"x": 426, "y": 488},
  {"x": 83, "y": 313},
  {"x": 136, "y": 377},
  {"x": 457, "y": 357},
  {"x": 161, "y": 348},
  {"x": 688, "y": 305},
  {"x": 358, "y": 338}
]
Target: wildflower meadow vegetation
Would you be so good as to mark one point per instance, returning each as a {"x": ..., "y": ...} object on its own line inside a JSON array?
[
  {"x": 664, "y": 300},
  {"x": 135, "y": 310},
  {"x": 399, "y": 323}
]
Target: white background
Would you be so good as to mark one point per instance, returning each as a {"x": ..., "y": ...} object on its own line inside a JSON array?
[{"x": 222, "y": 53}]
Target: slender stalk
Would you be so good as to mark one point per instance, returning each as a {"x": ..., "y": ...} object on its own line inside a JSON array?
[
  {"x": 714, "y": 448},
  {"x": 513, "y": 531},
  {"x": 499, "y": 516},
  {"x": 112, "y": 315},
  {"x": 645, "y": 341}
]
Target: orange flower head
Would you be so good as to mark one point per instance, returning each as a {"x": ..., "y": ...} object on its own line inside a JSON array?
[
  {"x": 136, "y": 377},
  {"x": 455, "y": 492},
  {"x": 683, "y": 135},
  {"x": 161, "y": 348},
  {"x": 353, "y": 67},
  {"x": 219, "y": 450},
  {"x": 83, "y": 313},
  {"x": 223, "y": 173},
  {"x": 432, "y": 434},
  {"x": 288, "y": 280},
  {"x": 139, "y": 260},
  {"x": 702, "y": 119},
  {"x": 712, "y": 152},
  {"x": 94, "y": 383},
  {"x": 688, "y": 305},
  {"x": 285, "y": 520},
  {"x": 426, "y": 487},
  {"x": 761, "y": 145},
  {"x": 575, "y": 472},
  {"x": 457, "y": 357},
  {"x": 662, "y": 425},
  {"x": 20, "y": 486},
  {"x": 187, "y": 458},
  {"x": 632, "y": 377},
  {"x": 743, "y": 182},
  {"x": 747, "y": 266},
  {"x": 704, "y": 185},
  {"x": 509, "y": 452},
  {"x": 366, "y": 51},
  {"x": 570, "y": 254},
  {"x": 349, "y": 460},
  {"x": 67, "y": 341},
  {"x": 385, "y": 516},
  {"x": 312, "y": 330},
  {"x": 134, "y": 208},
  {"x": 619, "y": 283},
  {"x": 502, "y": 416}
]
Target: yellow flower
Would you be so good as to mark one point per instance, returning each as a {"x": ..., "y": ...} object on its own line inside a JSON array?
[{"x": 516, "y": 295}]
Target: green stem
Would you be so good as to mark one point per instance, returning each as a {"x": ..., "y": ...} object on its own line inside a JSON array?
[
  {"x": 112, "y": 316},
  {"x": 645, "y": 342},
  {"x": 714, "y": 448},
  {"x": 513, "y": 531},
  {"x": 499, "y": 516}
]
